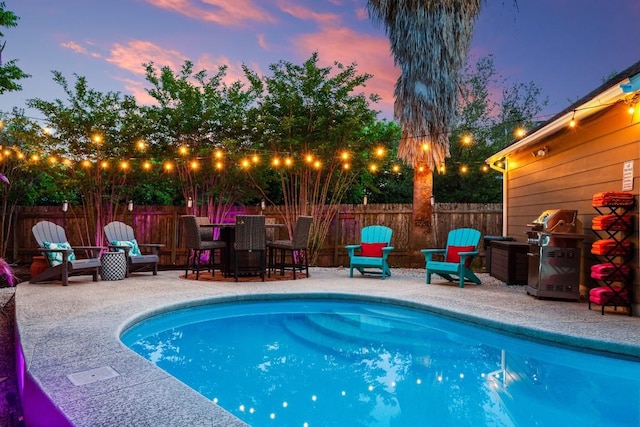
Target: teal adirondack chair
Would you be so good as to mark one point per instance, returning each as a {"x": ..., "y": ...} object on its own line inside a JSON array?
[
  {"x": 462, "y": 246},
  {"x": 372, "y": 252}
]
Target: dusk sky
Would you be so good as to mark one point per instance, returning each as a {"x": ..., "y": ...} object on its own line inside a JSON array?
[{"x": 566, "y": 47}]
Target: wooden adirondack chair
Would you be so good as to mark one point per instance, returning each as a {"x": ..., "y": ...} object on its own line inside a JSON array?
[
  {"x": 462, "y": 246},
  {"x": 372, "y": 252},
  {"x": 61, "y": 257},
  {"x": 120, "y": 237}
]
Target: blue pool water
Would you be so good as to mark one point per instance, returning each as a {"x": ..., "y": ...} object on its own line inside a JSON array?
[{"x": 355, "y": 363}]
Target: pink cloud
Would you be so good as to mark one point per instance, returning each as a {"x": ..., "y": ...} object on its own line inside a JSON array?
[
  {"x": 224, "y": 12},
  {"x": 130, "y": 57},
  {"x": 79, "y": 49},
  {"x": 262, "y": 42},
  {"x": 135, "y": 53},
  {"x": 138, "y": 89},
  {"x": 370, "y": 53},
  {"x": 305, "y": 13}
]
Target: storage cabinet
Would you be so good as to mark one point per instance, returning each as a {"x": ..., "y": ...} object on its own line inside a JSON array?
[
  {"x": 509, "y": 262},
  {"x": 613, "y": 227}
]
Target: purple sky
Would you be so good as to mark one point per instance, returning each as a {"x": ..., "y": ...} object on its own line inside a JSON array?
[{"x": 566, "y": 47}]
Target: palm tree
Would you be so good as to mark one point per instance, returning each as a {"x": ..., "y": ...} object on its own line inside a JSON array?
[{"x": 429, "y": 41}]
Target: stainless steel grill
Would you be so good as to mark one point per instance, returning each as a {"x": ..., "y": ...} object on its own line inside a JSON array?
[{"x": 555, "y": 252}]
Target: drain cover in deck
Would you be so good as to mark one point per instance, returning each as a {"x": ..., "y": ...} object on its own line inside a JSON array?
[{"x": 93, "y": 375}]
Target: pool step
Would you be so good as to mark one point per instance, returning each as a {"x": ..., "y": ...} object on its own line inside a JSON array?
[
  {"x": 328, "y": 344},
  {"x": 349, "y": 334}
]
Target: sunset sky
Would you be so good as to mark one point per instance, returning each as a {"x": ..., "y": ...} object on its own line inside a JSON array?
[{"x": 566, "y": 47}]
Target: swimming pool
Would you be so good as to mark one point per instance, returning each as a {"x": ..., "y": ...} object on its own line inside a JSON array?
[{"x": 326, "y": 362}]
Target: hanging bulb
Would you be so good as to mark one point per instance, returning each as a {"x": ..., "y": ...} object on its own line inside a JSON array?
[
  {"x": 572, "y": 122},
  {"x": 632, "y": 109}
]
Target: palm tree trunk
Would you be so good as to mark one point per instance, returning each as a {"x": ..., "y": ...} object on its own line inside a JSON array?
[{"x": 423, "y": 230}]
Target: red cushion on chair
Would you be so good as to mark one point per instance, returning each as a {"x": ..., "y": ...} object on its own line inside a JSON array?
[
  {"x": 373, "y": 250},
  {"x": 453, "y": 254}
]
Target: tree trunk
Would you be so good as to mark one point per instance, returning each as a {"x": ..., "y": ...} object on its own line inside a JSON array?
[{"x": 423, "y": 231}]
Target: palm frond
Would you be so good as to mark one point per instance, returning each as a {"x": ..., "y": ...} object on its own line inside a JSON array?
[{"x": 429, "y": 41}]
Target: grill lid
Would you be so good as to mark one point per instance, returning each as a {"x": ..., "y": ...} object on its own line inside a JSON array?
[{"x": 555, "y": 221}]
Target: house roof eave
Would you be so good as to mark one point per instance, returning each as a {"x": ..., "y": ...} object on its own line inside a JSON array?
[{"x": 577, "y": 111}]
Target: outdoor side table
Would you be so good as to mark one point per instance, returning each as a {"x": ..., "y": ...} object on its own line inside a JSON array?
[{"x": 114, "y": 265}]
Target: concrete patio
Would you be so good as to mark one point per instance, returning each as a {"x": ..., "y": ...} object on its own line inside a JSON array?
[{"x": 75, "y": 330}]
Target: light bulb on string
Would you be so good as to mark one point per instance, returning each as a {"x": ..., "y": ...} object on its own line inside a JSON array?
[{"x": 572, "y": 122}]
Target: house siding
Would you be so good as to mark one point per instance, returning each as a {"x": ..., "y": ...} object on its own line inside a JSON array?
[{"x": 580, "y": 162}]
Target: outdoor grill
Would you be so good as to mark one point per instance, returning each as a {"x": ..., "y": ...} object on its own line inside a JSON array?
[{"x": 554, "y": 255}]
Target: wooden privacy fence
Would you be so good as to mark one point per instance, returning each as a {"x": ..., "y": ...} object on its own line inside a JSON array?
[{"x": 161, "y": 224}]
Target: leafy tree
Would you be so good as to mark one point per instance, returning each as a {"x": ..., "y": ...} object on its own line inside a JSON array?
[
  {"x": 483, "y": 126},
  {"x": 86, "y": 133},
  {"x": 26, "y": 179},
  {"x": 322, "y": 132},
  {"x": 10, "y": 73},
  {"x": 392, "y": 181},
  {"x": 203, "y": 123}
]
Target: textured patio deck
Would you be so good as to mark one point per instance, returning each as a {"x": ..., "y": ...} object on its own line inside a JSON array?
[{"x": 75, "y": 329}]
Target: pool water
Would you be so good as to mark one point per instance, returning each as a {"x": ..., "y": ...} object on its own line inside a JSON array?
[{"x": 355, "y": 363}]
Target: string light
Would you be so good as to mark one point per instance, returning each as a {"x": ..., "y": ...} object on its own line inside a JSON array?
[
  {"x": 520, "y": 132},
  {"x": 466, "y": 139},
  {"x": 126, "y": 165},
  {"x": 572, "y": 122}
]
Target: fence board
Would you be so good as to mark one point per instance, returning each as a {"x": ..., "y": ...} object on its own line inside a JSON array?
[{"x": 160, "y": 224}]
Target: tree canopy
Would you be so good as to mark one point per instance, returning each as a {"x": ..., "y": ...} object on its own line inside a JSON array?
[{"x": 10, "y": 73}]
